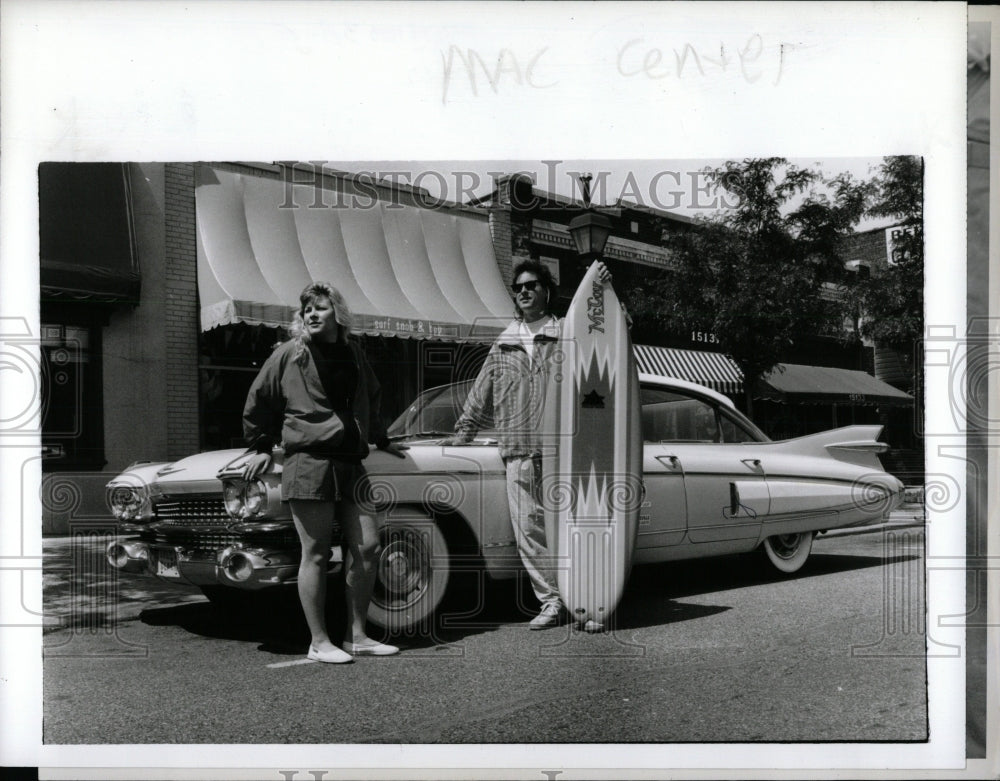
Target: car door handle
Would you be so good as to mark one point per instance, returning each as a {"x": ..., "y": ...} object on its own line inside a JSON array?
[
  {"x": 671, "y": 462},
  {"x": 753, "y": 463}
]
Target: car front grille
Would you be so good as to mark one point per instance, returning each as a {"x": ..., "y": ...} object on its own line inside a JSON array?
[
  {"x": 198, "y": 540},
  {"x": 201, "y": 522},
  {"x": 191, "y": 512},
  {"x": 214, "y": 539}
]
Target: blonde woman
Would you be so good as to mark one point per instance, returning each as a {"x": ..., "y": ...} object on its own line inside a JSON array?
[{"x": 318, "y": 396}]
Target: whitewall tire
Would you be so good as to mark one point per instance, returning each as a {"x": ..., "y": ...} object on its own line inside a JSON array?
[
  {"x": 413, "y": 573},
  {"x": 788, "y": 552}
]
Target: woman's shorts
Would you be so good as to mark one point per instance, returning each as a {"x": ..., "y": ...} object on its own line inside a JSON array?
[{"x": 307, "y": 476}]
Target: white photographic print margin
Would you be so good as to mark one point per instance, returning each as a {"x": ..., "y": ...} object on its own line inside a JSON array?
[{"x": 170, "y": 81}]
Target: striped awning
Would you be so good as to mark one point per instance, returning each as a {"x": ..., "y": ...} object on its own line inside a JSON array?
[
  {"x": 714, "y": 370},
  {"x": 408, "y": 272}
]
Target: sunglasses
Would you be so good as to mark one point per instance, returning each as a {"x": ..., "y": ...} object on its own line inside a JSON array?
[{"x": 530, "y": 286}]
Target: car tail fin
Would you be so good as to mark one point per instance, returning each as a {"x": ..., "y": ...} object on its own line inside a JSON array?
[
  {"x": 861, "y": 445},
  {"x": 859, "y": 451},
  {"x": 853, "y": 444}
]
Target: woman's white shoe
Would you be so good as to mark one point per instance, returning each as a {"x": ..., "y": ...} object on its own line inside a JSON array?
[
  {"x": 333, "y": 656},
  {"x": 376, "y": 649}
]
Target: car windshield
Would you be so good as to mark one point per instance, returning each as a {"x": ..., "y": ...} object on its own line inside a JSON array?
[{"x": 434, "y": 412}]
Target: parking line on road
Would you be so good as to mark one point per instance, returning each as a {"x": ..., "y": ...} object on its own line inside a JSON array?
[{"x": 291, "y": 664}]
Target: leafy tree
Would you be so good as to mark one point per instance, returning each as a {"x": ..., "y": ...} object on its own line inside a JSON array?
[
  {"x": 891, "y": 300},
  {"x": 754, "y": 274}
]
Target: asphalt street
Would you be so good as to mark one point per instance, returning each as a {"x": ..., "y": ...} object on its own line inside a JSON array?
[{"x": 712, "y": 650}]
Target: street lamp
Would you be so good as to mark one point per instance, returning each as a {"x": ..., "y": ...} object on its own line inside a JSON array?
[
  {"x": 590, "y": 233},
  {"x": 590, "y": 230}
]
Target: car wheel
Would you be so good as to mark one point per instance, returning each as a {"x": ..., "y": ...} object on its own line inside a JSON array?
[
  {"x": 788, "y": 552},
  {"x": 413, "y": 572}
]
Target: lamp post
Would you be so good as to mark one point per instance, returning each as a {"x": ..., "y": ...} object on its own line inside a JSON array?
[
  {"x": 590, "y": 233},
  {"x": 589, "y": 230}
]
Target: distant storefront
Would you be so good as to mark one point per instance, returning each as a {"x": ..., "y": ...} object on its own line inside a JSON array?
[{"x": 793, "y": 399}]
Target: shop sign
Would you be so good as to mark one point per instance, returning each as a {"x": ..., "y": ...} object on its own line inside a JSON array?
[
  {"x": 704, "y": 337},
  {"x": 397, "y": 326},
  {"x": 893, "y": 236}
]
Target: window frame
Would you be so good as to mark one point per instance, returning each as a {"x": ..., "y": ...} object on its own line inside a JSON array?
[{"x": 719, "y": 410}]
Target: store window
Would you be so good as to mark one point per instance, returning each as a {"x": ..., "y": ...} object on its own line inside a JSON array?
[
  {"x": 72, "y": 407},
  {"x": 88, "y": 269},
  {"x": 230, "y": 358}
]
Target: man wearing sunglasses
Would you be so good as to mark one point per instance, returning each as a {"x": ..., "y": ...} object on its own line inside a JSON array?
[{"x": 511, "y": 384}]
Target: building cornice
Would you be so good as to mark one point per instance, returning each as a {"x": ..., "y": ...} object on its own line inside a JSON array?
[{"x": 554, "y": 234}]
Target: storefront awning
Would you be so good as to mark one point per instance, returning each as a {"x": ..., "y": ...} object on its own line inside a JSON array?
[
  {"x": 405, "y": 271},
  {"x": 87, "y": 247},
  {"x": 789, "y": 382},
  {"x": 824, "y": 385},
  {"x": 715, "y": 370}
]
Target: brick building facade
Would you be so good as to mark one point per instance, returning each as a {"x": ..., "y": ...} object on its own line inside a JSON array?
[{"x": 181, "y": 312}]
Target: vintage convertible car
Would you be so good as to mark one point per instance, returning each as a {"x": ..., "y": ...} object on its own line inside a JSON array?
[{"x": 714, "y": 484}]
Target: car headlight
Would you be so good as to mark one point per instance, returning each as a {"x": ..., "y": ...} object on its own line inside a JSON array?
[
  {"x": 125, "y": 502},
  {"x": 255, "y": 497},
  {"x": 232, "y": 495},
  {"x": 244, "y": 500}
]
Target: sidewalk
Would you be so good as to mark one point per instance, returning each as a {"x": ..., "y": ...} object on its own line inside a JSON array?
[{"x": 80, "y": 589}]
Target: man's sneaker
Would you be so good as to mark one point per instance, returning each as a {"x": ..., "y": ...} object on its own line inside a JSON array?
[{"x": 550, "y": 616}]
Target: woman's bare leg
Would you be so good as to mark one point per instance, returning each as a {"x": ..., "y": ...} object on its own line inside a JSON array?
[
  {"x": 361, "y": 562},
  {"x": 314, "y": 523}
]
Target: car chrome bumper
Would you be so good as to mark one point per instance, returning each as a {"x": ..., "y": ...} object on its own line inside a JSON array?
[{"x": 238, "y": 566}]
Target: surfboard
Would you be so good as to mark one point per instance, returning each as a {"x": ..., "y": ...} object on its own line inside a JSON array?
[{"x": 592, "y": 462}]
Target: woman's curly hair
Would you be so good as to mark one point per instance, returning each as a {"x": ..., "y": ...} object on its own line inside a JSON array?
[{"x": 341, "y": 313}]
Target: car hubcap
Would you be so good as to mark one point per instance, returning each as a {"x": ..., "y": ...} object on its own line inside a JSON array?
[
  {"x": 785, "y": 545},
  {"x": 404, "y": 570}
]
